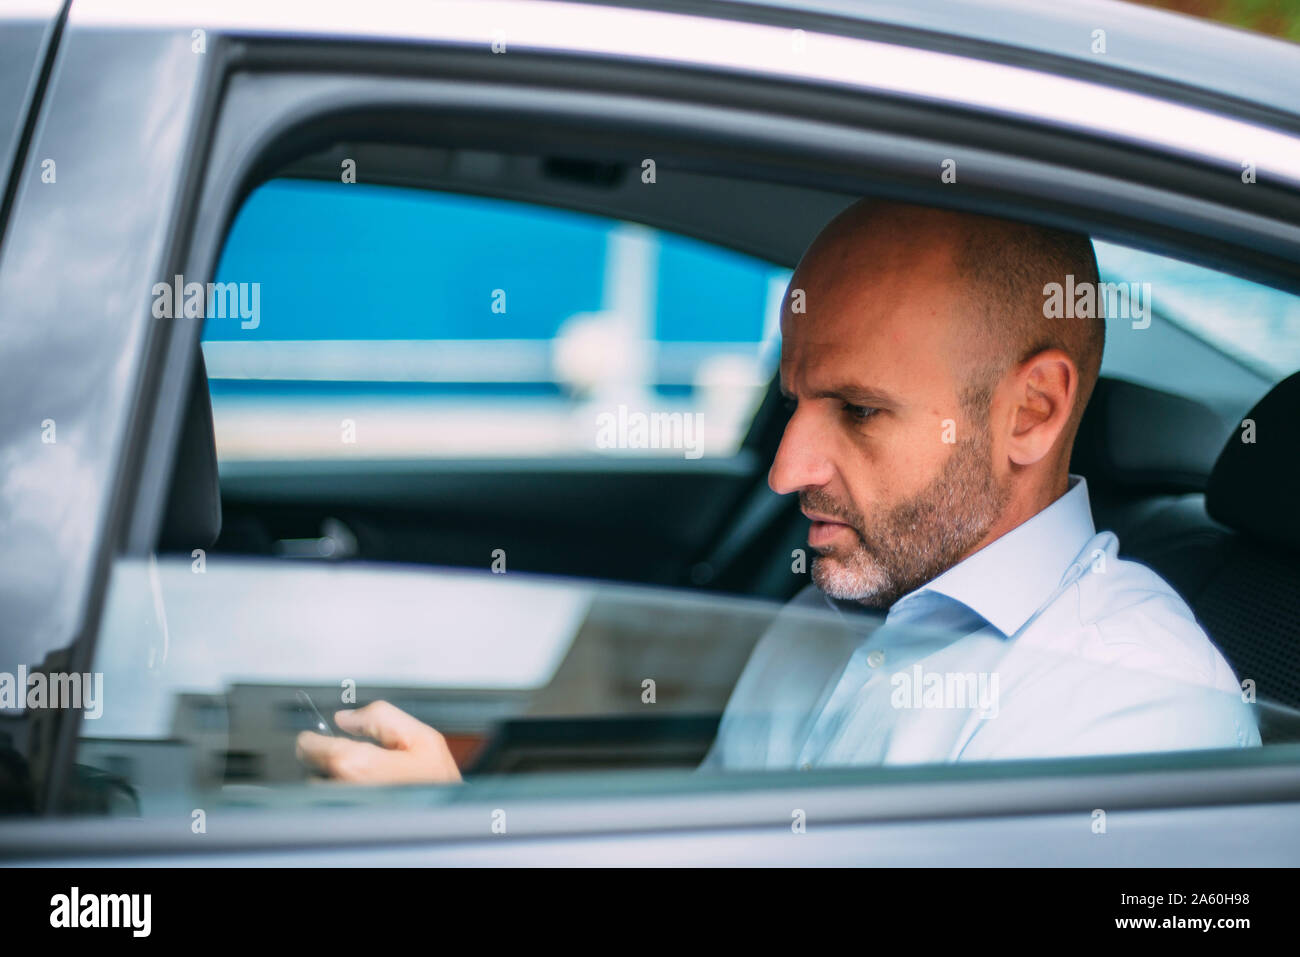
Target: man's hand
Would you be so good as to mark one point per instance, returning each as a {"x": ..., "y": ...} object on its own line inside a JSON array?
[{"x": 409, "y": 751}]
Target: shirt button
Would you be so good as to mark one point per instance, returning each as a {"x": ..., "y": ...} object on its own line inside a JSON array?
[
  {"x": 806, "y": 766},
  {"x": 875, "y": 659}
]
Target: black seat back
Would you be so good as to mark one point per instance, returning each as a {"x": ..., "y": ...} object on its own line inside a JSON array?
[{"x": 1234, "y": 553}]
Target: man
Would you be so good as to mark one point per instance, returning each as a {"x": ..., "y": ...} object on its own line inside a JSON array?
[{"x": 934, "y": 408}]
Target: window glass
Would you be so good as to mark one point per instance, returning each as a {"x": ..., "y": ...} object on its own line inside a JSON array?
[
  {"x": 210, "y": 676},
  {"x": 1255, "y": 324},
  {"x": 202, "y": 690},
  {"x": 446, "y": 326},
  {"x": 1195, "y": 331}
]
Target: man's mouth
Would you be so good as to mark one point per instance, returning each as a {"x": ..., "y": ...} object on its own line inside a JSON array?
[{"x": 825, "y": 529}]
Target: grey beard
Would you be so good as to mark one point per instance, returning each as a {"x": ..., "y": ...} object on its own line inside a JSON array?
[{"x": 917, "y": 540}]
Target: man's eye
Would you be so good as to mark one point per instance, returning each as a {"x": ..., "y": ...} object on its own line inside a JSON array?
[{"x": 859, "y": 413}]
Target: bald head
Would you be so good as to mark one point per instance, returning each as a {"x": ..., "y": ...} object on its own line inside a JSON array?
[{"x": 996, "y": 269}]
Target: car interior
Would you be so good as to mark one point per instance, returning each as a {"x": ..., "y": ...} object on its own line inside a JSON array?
[{"x": 1167, "y": 472}]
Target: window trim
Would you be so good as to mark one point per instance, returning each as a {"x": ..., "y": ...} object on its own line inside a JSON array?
[
  {"x": 749, "y": 48},
  {"x": 427, "y": 820}
]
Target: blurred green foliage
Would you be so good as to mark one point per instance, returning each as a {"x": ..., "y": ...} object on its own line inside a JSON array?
[{"x": 1279, "y": 18}]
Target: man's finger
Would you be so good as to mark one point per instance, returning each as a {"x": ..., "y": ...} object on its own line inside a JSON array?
[
  {"x": 389, "y": 725},
  {"x": 313, "y": 748},
  {"x": 337, "y": 757}
]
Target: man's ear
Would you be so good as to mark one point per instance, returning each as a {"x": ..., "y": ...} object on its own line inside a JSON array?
[{"x": 1043, "y": 390}]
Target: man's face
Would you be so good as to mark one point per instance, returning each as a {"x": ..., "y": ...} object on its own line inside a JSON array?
[{"x": 895, "y": 474}]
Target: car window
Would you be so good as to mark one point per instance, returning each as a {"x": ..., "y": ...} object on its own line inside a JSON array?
[
  {"x": 1257, "y": 325},
  {"x": 519, "y": 674},
  {"x": 369, "y": 324},
  {"x": 403, "y": 323},
  {"x": 204, "y": 696},
  {"x": 1195, "y": 331}
]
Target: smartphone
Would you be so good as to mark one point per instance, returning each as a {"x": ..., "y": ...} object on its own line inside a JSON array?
[{"x": 319, "y": 724}]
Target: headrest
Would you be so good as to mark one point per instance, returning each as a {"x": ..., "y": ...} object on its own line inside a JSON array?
[
  {"x": 1253, "y": 486},
  {"x": 1134, "y": 437},
  {"x": 193, "y": 516}
]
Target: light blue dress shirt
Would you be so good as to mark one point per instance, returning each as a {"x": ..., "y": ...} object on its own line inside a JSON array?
[{"x": 1044, "y": 643}]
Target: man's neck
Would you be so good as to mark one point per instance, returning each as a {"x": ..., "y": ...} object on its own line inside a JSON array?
[{"x": 1021, "y": 508}]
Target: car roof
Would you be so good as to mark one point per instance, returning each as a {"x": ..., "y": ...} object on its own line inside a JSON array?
[
  {"x": 1156, "y": 51},
  {"x": 1145, "y": 48}
]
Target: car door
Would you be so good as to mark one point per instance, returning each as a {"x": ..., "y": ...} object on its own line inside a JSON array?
[{"x": 162, "y": 128}]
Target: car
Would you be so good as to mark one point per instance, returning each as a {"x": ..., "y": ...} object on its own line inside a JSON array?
[{"x": 425, "y": 352}]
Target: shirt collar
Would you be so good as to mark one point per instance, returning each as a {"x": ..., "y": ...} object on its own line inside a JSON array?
[{"x": 1009, "y": 579}]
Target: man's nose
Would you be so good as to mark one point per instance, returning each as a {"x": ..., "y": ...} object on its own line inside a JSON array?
[{"x": 801, "y": 460}]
